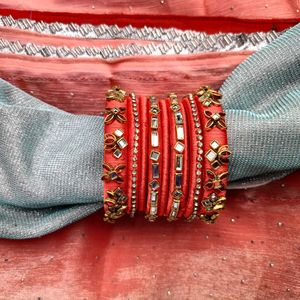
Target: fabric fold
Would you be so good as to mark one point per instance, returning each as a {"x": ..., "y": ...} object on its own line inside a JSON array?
[
  {"x": 262, "y": 103},
  {"x": 51, "y": 160},
  {"x": 50, "y": 165}
]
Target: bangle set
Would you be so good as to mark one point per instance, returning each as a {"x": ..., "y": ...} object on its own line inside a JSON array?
[{"x": 165, "y": 157}]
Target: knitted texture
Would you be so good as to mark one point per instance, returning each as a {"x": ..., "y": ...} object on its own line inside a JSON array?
[
  {"x": 262, "y": 104},
  {"x": 50, "y": 165}
]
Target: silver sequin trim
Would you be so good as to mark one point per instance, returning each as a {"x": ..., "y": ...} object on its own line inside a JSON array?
[
  {"x": 104, "y": 31},
  {"x": 173, "y": 41}
]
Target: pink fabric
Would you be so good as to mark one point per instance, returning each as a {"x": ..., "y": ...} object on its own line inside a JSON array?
[
  {"x": 238, "y": 251},
  {"x": 272, "y": 9},
  {"x": 78, "y": 86}
]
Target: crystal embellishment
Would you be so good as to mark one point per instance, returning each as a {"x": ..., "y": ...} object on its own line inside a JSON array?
[
  {"x": 180, "y": 132},
  {"x": 178, "y": 180},
  {"x": 177, "y": 194},
  {"x": 178, "y": 118},
  {"x": 216, "y": 116},
  {"x": 154, "y": 122},
  {"x": 154, "y": 110},
  {"x": 179, "y": 147},
  {"x": 179, "y": 162},
  {"x": 154, "y": 197},
  {"x": 154, "y": 155},
  {"x": 122, "y": 143},
  {"x": 211, "y": 155},
  {"x": 176, "y": 204},
  {"x": 114, "y": 175},
  {"x": 118, "y": 133},
  {"x": 153, "y": 210},
  {"x": 214, "y": 145},
  {"x": 154, "y": 138},
  {"x": 155, "y": 170},
  {"x": 154, "y": 185},
  {"x": 117, "y": 153}
]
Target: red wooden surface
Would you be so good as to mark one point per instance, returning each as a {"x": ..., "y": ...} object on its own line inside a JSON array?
[{"x": 253, "y": 252}]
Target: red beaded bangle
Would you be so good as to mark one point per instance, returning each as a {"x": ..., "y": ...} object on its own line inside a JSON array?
[{"x": 115, "y": 156}]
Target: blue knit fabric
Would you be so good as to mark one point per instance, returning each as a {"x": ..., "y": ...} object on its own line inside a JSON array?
[
  {"x": 50, "y": 165},
  {"x": 51, "y": 161},
  {"x": 262, "y": 102}
]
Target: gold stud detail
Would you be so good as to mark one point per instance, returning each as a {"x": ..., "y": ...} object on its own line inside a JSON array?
[
  {"x": 198, "y": 172},
  {"x": 213, "y": 202},
  {"x": 134, "y": 161},
  {"x": 215, "y": 120},
  {"x": 113, "y": 173},
  {"x": 218, "y": 155},
  {"x": 115, "y": 114},
  {"x": 208, "y": 96},
  {"x": 115, "y": 93},
  {"x": 115, "y": 142},
  {"x": 215, "y": 181},
  {"x": 116, "y": 205}
]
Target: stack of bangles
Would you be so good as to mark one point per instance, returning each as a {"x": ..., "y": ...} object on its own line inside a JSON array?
[{"x": 165, "y": 157}]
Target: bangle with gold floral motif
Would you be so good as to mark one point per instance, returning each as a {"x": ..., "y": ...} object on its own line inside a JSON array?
[
  {"x": 115, "y": 155},
  {"x": 216, "y": 153}
]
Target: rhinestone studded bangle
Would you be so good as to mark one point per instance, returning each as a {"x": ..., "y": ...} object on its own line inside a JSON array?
[
  {"x": 179, "y": 148},
  {"x": 154, "y": 157},
  {"x": 133, "y": 155},
  {"x": 196, "y": 139}
]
